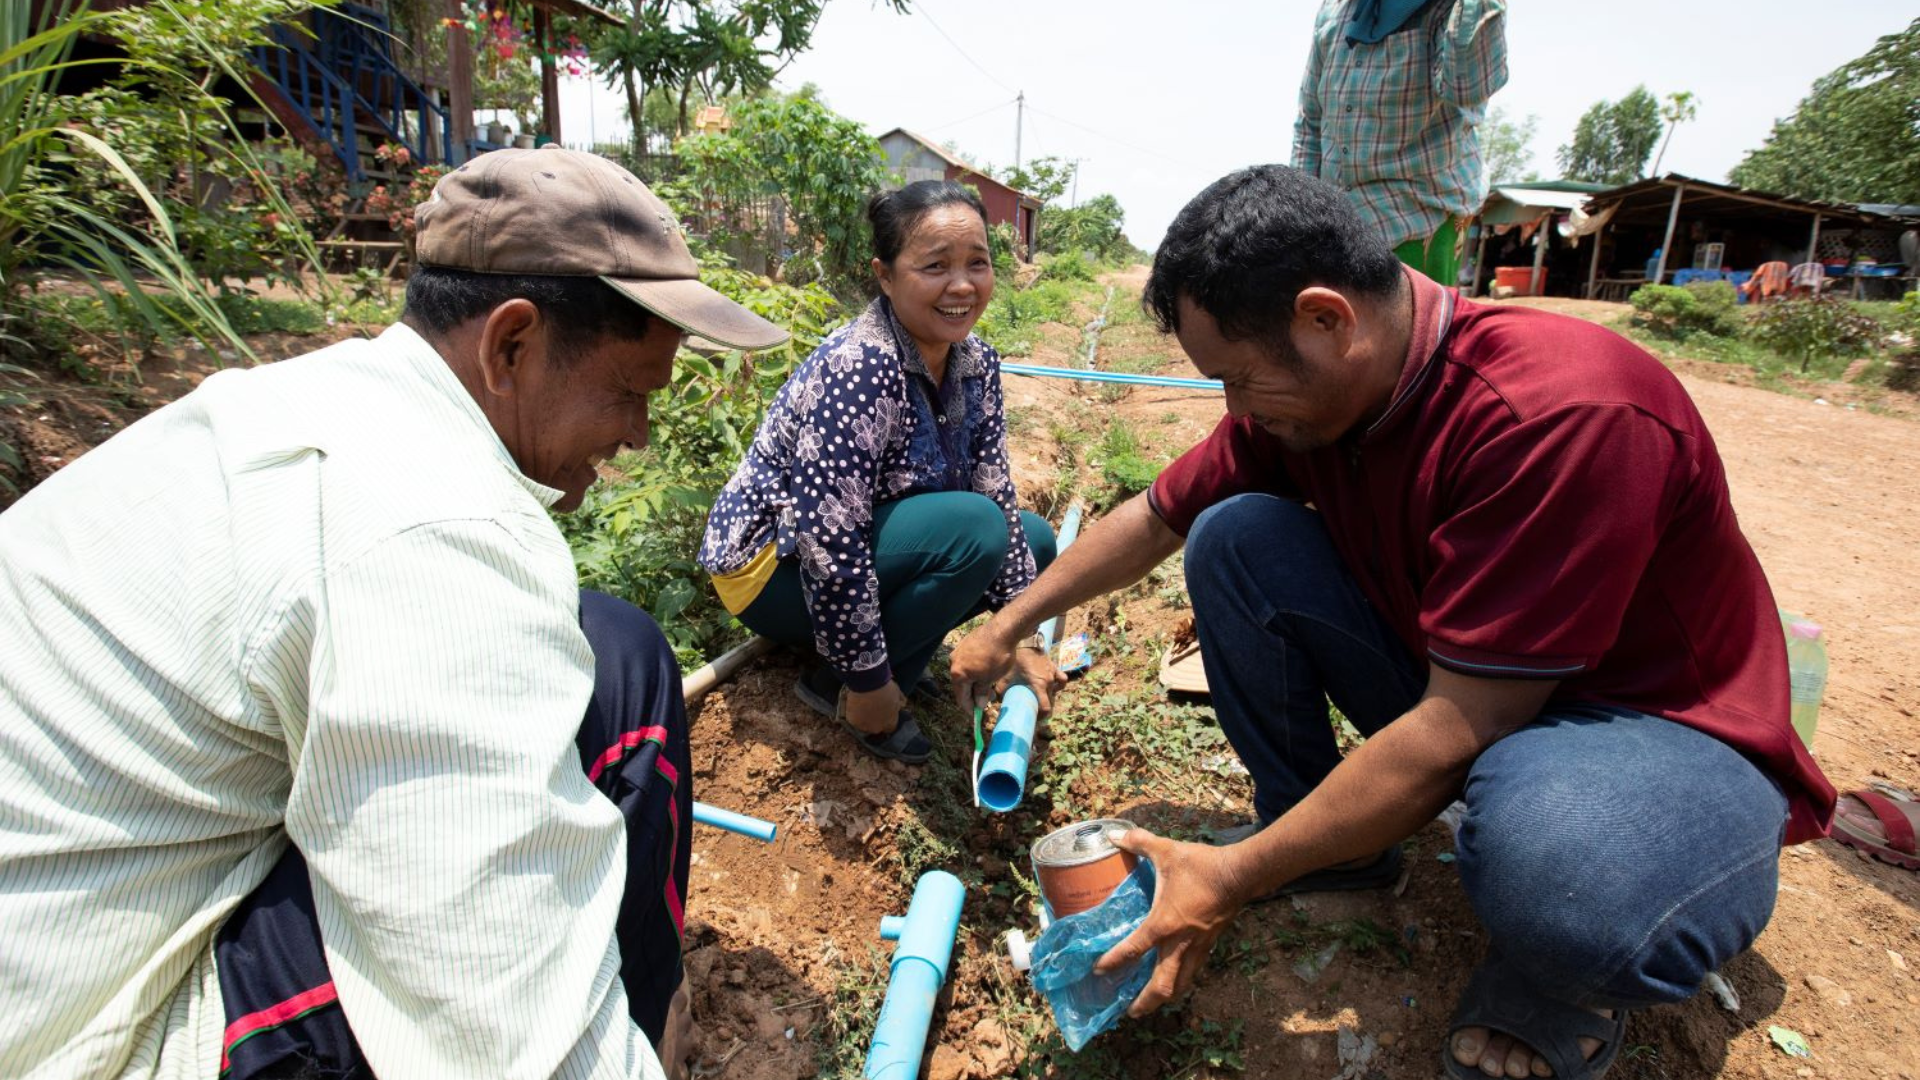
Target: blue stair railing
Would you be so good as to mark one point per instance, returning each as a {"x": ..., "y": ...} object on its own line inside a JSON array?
[{"x": 347, "y": 76}]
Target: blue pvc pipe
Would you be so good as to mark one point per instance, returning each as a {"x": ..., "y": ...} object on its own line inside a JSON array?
[
  {"x": 1069, "y": 531},
  {"x": 920, "y": 963},
  {"x": 732, "y": 822},
  {"x": 1003, "y": 775},
  {"x": 1043, "y": 371}
]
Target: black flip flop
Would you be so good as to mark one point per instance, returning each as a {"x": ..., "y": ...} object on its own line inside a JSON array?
[
  {"x": 905, "y": 743},
  {"x": 1500, "y": 1001}
]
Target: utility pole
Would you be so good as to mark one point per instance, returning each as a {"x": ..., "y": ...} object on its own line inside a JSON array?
[
  {"x": 1019, "y": 117},
  {"x": 1074, "y": 199}
]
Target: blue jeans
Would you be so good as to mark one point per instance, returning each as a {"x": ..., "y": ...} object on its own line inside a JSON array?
[{"x": 1615, "y": 858}]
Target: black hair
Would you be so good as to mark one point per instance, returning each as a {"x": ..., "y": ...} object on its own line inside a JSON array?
[
  {"x": 581, "y": 312},
  {"x": 1244, "y": 248},
  {"x": 895, "y": 214}
]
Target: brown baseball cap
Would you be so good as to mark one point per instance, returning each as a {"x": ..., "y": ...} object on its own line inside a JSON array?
[{"x": 566, "y": 213}]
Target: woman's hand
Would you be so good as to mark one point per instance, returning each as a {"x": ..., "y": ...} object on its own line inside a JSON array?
[
  {"x": 1035, "y": 670},
  {"x": 1196, "y": 896},
  {"x": 875, "y": 712}
]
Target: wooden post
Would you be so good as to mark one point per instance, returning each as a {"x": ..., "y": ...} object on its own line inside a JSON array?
[
  {"x": 549, "y": 73},
  {"x": 1479, "y": 259},
  {"x": 1593, "y": 268},
  {"x": 1536, "y": 287},
  {"x": 459, "y": 82},
  {"x": 1666, "y": 246},
  {"x": 1813, "y": 242}
]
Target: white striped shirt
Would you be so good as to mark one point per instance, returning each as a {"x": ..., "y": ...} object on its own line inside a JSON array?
[{"x": 314, "y": 600}]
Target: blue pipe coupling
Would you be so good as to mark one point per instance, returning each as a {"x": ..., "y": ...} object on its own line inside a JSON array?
[
  {"x": 920, "y": 964},
  {"x": 738, "y": 823}
]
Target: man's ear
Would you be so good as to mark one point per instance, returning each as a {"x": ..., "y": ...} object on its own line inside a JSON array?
[
  {"x": 511, "y": 340},
  {"x": 1324, "y": 318}
]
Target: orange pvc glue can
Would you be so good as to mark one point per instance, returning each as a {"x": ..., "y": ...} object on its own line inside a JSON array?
[{"x": 1078, "y": 867}]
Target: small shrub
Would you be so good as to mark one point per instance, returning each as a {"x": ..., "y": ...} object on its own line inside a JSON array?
[
  {"x": 1126, "y": 470},
  {"x": 1068, "y": 266},
  {"x": 1000, "y": 239},
  {"x": 1813, "y": 329},
  {"x": 1681, "y": 311}
]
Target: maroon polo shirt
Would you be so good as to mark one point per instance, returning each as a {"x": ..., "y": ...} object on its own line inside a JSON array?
[{"x": 1542, "y": 500}]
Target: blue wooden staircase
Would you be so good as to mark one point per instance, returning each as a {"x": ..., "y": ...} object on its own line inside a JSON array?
[{"x": 342, "y": 89}]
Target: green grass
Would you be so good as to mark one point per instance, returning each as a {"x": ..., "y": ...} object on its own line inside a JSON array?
[
  {"x": 60, "y": 322},
  {"x": 1012, "y": 321},
  {"x": 846, "y": 1031},
  {"x": 1124, "y": 465},
  {"x": 1771, "y": 368}
]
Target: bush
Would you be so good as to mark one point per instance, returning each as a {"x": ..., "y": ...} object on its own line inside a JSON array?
[
  {"x": 1681, "y": 311},
  {"x": 1810, "y": 329},
  {"x": 1067, "y": 266},
  {"x": 1126, "y": 470},
  {"x": 1000, "y": 239}
]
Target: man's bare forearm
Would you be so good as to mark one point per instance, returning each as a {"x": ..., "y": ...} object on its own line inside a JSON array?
[
  {"x": 1390, "y": 786},
  {"x": 1113, "y": 553}
]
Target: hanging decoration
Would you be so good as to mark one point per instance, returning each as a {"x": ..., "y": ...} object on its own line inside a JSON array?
[{"x": 504, "y": 34}]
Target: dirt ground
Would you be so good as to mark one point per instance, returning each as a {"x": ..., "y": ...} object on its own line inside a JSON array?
[
  {"x": 783, "y": 950},
  {"x": 1828, "y": 495}
]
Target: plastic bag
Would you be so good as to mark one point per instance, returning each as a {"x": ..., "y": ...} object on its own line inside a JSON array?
[{"x": 1085, "y": 1004}]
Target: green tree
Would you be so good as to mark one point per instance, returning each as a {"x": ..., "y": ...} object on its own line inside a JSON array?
[
  {"x": 1506, "y": 145},
  {"x": 718, "y": 47},
  {"x": 1855, "y": 138},
  {"x": 1044, "y": 178},
  {"x": 824, "y": 165},
  {"x": 1093, "y": 226},
  {"x": 1679, "y": 109},
  {"x": 1613, "y": 139}
]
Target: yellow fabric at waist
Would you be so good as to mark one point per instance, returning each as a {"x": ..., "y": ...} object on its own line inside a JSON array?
[{"x": 742, "y": 587}]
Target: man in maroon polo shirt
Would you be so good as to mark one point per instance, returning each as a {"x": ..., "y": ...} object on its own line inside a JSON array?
[{"x": 1500, "y": 541}]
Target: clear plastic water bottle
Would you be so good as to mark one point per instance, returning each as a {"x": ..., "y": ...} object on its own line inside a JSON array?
[{"x": 1806, "y": 674}]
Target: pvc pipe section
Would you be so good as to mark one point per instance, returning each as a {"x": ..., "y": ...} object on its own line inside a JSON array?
[
  {"x": 760, "y": 830},
  {"x": 1043, "y": 371},
  {"x": 1003, "y": 776},
  {"x": 696, "y": 685},
  {"x": 1069, "y": 530},
  {"x": 920, "y": 963}
]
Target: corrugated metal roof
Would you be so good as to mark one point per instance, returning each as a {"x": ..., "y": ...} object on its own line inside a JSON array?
[{"x": 1542, "y": 197}]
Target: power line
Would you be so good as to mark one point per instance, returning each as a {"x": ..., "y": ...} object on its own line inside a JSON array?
[
  {"x": 975, "y": 116},
  {"x": 1104, "y": 135},
  {"x": 921, "y": 9}
]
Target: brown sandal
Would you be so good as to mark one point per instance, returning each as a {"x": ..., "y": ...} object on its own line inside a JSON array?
[{"x": 1899, "y": 820}]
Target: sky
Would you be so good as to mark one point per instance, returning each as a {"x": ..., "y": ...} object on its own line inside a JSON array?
[{"x": 1159, "y": 101}]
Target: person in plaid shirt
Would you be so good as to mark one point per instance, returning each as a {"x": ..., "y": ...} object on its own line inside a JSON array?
[{"x": 1389, "y": 107}]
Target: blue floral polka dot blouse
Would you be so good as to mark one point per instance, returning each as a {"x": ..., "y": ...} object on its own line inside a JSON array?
[{"x": 860, "y": 423}]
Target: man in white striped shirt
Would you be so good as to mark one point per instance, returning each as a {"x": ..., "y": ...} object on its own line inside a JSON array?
[{"x": 312, "y": 755}]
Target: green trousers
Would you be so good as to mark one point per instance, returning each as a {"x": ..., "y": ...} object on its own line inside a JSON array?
[
  {"x": 935, "y": 555},
  {"x": 1438, "y": 257}
]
